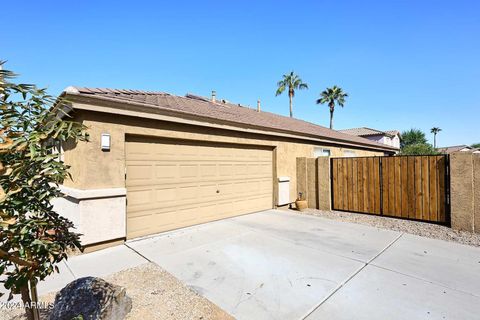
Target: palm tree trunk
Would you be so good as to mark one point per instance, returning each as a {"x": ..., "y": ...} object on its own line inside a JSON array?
[
  {"x": 331, "y": 117},
  {"x": 290, "y": 97},
  {"x": 435, "y": 141}
]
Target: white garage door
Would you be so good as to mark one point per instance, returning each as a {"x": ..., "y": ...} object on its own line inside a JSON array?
[{"x": 177, "y": 184}]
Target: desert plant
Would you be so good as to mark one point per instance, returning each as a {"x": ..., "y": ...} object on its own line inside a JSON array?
[
  {"x": 292, "y": 82},
  {"x": 332, "y": 96},
  {"x": 33, "y": 237}
]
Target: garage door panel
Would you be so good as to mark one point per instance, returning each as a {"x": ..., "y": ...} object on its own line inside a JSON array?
[
  {"x": 226, "y": 170},
  {"x": 147, "y": 199},
  {"x": 208, "y": 170},
  {"x": 209, "y": 191},
  {"x": 139, "y": 197},
  {"x": 172, "y": 185},
  {"x": 188, "y": 171},
  {"x": 140, "y": 172},
  {"x": 240, "y": 169},
  {"x": 163, "y": 172}
]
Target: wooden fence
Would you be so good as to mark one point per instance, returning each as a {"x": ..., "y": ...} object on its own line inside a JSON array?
[{"x": 413, "y": 187}]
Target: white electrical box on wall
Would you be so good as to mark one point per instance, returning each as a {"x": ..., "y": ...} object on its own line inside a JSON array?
[
  {"x": 105, "y": 142},
  {"x": 283, "y": 191}
]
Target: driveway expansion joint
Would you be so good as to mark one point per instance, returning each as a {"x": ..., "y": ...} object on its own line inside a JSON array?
[
  {"x": 342, "y": 284},
  {"x": 141, "y": 255},
  {"x": 69, "y": 269}
]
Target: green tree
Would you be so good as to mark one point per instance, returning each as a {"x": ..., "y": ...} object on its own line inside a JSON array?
[
  {"x": 435, "y": 131},
  {"x": 292, "y": 82},
  {"x": 418, "y": 149},
  {"x": 476, "y": 145},
  {"x": 414, "y": 142},
  {"x": 33, "y": 237},
  {"x": 412, "y": 136},
  {"x": 332, "y": 96}
]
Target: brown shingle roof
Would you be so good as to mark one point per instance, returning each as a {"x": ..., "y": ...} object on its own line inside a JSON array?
[
  {"x": 365, "y": 132},
  {"x": 452, "y": 149},
  {"x": 225, "y": 111}
]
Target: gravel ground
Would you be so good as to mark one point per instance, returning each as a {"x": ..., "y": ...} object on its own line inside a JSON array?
[
  {"x": 413, "y": 227},
  {"x": 155, "y": 294}
]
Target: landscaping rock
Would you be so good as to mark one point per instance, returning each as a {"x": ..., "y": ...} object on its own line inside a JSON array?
[{"x": 91, "y": 298}]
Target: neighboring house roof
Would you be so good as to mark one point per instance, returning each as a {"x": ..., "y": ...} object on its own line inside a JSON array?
[
  {"x": 365, "y": 132},
  {"x": 222, "y": 111},
  {"x": 393, "y": 132},
  {"x": 452, "y": 149}
]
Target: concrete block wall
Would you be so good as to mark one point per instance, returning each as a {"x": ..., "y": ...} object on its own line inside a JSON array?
[
  {"x": 465, "y": 191},
  {"x": 313, "y": 181}
]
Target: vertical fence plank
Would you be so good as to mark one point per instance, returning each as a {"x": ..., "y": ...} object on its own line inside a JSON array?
[
  {"x": 340, "y": 184},
  {"x": 425, "y": 188},
  {"x": 350, "y": 183},
  {"x": 345, "y": 183},
  {"x": 354, "y": 184},
  {"x": 376, "y": 175},
  {"x": 384, "y": 178},
  {"x": 411, "y": 187},
  {"x": 365, "y": 185},
  {"x": 404, "y": 186},
  {"x": 397, "y": 188},
  {"x": 334, "y": 177},
  {"x": 360, "y": 186},
  {"x": 371, "y": 184},
  {"x": 392, "y": 199},
  {"x": 433, "y": 188},
  {"x": 418, "y": 188}
]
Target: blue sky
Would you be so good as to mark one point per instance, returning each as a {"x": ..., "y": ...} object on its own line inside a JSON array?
[{"x": 404, "y": 63}]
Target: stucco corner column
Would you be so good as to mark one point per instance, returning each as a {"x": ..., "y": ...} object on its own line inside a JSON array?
[
  {"x": 465, "y": 191},
  {"x": 98, "y": 214}
]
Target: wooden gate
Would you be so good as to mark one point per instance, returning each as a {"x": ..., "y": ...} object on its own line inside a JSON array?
[{"x": 411, "y": 187}]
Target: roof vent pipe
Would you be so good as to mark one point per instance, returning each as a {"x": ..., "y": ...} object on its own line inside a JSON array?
[
  {"x": 258, "y": 105},
  {"x": 214, "y": 96}
]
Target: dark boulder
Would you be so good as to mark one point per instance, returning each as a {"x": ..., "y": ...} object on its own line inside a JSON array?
[{"x": 91, "y": 298}]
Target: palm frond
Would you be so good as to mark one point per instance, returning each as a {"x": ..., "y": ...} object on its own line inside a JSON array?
[
  {"x": 291, "y": 81},
  {"x": 332, "y": 96}
]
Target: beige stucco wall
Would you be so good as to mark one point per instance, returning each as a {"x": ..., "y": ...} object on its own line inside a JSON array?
[
  {"x": 323, "y": 184},
  {"x": 465, "y": 191},
  {"x": 476, "y": 191},
  {"x": 338, "y": 152},
  {"x": 93, "y": 168},
  {"x": 313, "y": 181}
]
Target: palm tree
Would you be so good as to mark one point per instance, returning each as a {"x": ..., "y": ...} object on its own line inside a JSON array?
[
  {"x": 292, "y": 82},
  {"x": 435, "y": 130},
  {"x": 332, "y": 96}
]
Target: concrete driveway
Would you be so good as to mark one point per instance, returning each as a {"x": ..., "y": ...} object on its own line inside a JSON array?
[{"x": 282, "y": 265}]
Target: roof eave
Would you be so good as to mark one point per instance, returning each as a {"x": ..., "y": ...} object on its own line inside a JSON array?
[{"x": 158, "y": 110}]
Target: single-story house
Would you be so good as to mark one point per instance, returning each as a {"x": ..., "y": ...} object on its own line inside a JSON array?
[
  {"x": 390, "y": 137},
  {"x": 460, "y": 148},
  {"x": 157, "y": 162}
]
